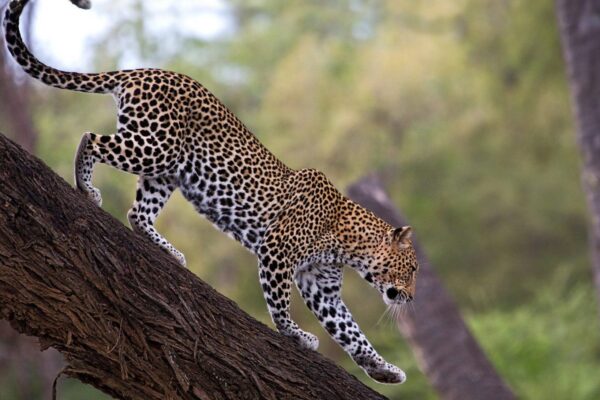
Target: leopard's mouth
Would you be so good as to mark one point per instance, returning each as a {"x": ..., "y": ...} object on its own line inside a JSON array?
[{"x": 394, "y": 296}]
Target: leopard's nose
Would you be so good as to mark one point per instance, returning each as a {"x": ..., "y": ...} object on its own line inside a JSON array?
[{"x": 391, "y": 293}]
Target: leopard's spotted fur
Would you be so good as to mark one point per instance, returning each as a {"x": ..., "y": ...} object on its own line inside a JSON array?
[{"x": 174, "y": 134}]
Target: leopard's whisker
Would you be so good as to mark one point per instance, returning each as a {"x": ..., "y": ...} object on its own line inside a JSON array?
[
  {"x": 383, "y": 315},
  {"x": 395, "y": 312}
]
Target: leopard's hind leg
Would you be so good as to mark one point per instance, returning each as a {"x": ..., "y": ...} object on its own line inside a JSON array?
[
  {"x": 108, "y": 149},
  {"x": 143, "y": 155},
  {"x": 85, "y": 159},
  {"x": 151, "y": 196}
]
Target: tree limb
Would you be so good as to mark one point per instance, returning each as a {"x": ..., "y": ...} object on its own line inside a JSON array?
[
  {"x": 447, "y": 352},
  {"x": 128, "y": 319}
]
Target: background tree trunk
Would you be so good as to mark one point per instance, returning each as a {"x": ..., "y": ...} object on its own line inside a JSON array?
[
  {"x": 15, "y": 89},
  {"x": 579, "y": 22},
  {"x": 447, "y": 352},
  {"x": 20, "y": 358},
  {"x": 128, "y": 319}
]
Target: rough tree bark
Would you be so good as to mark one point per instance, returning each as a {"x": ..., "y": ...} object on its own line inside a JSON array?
[
  {"x": 20, "y": 358},
  {"x": 579, "y": 22},
  {"x": 447, "y": 352},
  {"x": 128, "y": 319}
]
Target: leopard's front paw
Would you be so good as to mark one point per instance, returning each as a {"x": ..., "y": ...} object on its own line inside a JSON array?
[
  {"x": 304, "y": 339},
  {"x": 309, "y": 341},
  {"x": 385, "y": 373}
]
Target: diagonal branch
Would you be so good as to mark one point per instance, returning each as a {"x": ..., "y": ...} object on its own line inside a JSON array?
[{"x": 127, "y": 318}]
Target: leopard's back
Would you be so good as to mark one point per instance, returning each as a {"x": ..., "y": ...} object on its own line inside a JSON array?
[
  {"x": 171, "y": 125},
  {"x": 226, "y": 173}
]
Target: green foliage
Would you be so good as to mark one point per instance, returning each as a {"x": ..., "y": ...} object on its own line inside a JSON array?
[
  {"x": 71, "y": 389},
  {"x": 547, "y": 349},
  {"x": 67, "y": 389}
]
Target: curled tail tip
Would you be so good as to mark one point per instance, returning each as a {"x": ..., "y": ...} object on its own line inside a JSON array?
[{"x": 84, "y": 4}]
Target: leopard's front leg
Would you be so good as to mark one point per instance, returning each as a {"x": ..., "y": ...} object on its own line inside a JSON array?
[
  {"x": 321, "y": 289},
  {"x": 276, "y": 281}
]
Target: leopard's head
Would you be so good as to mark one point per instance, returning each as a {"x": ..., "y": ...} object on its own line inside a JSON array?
[{"x": 393, "y": 267}]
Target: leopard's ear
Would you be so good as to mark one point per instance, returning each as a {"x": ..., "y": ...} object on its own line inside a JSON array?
[{"x": 401, "y": 236}]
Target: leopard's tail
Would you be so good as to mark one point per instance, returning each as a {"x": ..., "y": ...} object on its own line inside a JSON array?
[{"x": 91, "y": 83}]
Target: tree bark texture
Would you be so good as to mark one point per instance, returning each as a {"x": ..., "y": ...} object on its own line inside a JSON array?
[
  {"x": 446, "y": 350},
  {"x": 20, "y": 358},
  {"x": 127, "y": 318},
  {"x": 579, "y": 22}
]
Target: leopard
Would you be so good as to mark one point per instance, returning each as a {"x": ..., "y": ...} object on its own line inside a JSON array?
[{"x": 176, "y": 135}]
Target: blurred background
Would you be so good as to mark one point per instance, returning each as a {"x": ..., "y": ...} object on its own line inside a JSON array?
[{"x": 462, "y": 107}]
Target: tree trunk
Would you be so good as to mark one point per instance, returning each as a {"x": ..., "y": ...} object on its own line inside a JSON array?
[
  {"x": 20, "y": 359},
  {"x": 579, "y": 22},
  {"x": 128, "y": 319},
  {"x": 445, "y": 349}
]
